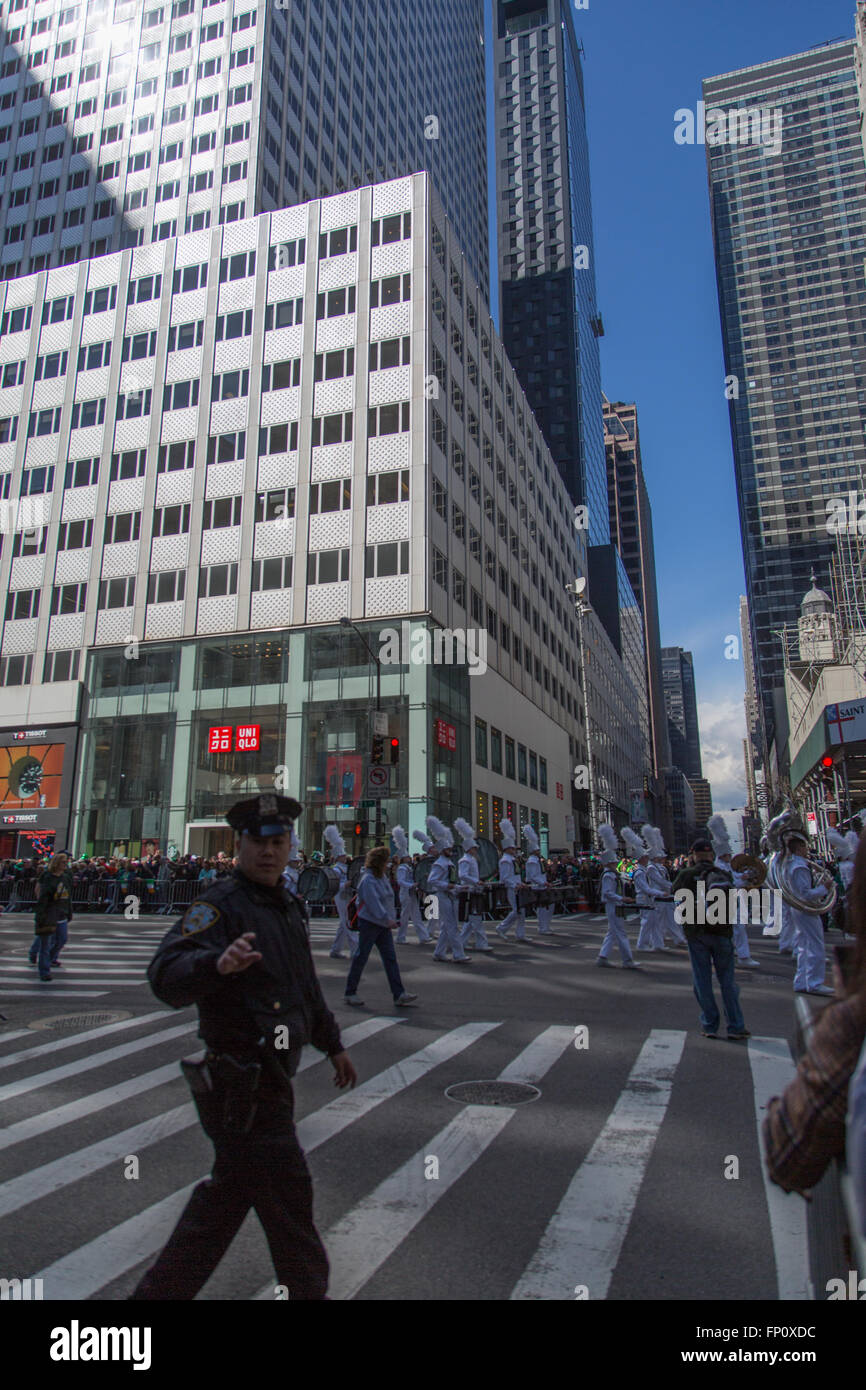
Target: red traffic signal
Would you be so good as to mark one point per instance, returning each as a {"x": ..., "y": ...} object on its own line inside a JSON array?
[
  {"x": 395, "y": 751},
  {"x": 827, "y": 760}
]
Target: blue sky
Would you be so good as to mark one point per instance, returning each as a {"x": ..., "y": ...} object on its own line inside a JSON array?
[{"x": 656, "y": 287}]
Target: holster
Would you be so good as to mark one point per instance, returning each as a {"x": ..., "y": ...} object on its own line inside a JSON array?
[{"x": 232, "y": 1083}]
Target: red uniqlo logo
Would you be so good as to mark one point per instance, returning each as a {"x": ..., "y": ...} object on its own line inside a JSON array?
[
  {"x": 446, "y": 734},
  {"x": 247, "y": 738},
  {"x": 220, "y": 740},
  {"x": 559, "y": 791}
]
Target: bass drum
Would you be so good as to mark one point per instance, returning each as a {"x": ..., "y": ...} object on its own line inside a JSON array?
[
  {"x": 355, "y": 868},
  {"x": 318, "y": 883},
  {"x": 488, "y": 859}
]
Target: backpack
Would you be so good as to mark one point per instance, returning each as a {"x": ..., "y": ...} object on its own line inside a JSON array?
[{"x": 352, "y": 913}]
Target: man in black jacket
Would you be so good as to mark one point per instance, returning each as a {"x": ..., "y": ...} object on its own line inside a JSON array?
[
  {"x": 709, "y": 936},
  {"x": 241, "y": 954}
]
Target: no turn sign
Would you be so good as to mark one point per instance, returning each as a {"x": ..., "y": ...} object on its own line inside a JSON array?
[{"x": 378, "y": 780}]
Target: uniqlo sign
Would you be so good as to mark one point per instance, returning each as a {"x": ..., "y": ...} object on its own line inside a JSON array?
[
  {"x": 247, "y": 738},
  {"x": 446, "y": 735},
  {"x": 559, "y": 791}
]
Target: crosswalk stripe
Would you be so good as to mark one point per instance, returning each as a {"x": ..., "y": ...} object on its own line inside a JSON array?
[
  {"x": 584, "y": 1238},
  {"x": 98, "y": 1059},
  {"x": 772, "y": 1069},
  {"x": 50, "y": 1177},
  {"x": 15, "y": 992},
  {"x": 75, "y": 1039},
  {"x": 35, "y": 1125},
  {"x": 16, "y": 1033},
  {"x": 89, "y": 1268},
  {"x": 84, "y": 968},
  {"x": 317, "y": 1128},
  {"x": 369, "y": 1234}
]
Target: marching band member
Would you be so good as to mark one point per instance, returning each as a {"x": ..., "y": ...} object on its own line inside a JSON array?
[
  {"x": 536, "y": 876},
  {"x": 722, "y": 846},
  {"x": 809, "y": 948},
  {"x": 427, "y": 902},
  {"x": 645, "y": 896},
  {"x": 469, "y": 877},
  {"x": 292, "y": 871},
  {"x": 845, "y": 847},
  {"x": 439, "y": 882},
  {"x": 509, "y": 875},
  {"x": 410, "y": 908},
  {"x": 340, "y": 865},
  {"x": 658, "y": 878},
  {"x": 612, "y": 899}
]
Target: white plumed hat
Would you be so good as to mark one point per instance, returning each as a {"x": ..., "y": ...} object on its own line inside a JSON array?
[
  {"x": 466, "y": 833},
  {"x": 654, "y": 838},
  {"x": 719, "y": 835},
  {"x": 401, "y": 844},
  {"x": 607, "y": 835},
  {"x": 335, "y": 840},
  {"x": 633, "y": 843},
  {"x": 531, "y": 838},
  {"x": 509, "y": 838},
  {"x": 424, "y": 840},
  {"x": 295, "y": 846},
  {"x": 845, "y": 846},
  {"x": 442, "y": 837}
]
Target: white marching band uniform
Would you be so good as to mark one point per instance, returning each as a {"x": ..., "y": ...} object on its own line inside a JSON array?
[
  {"x": 649, "y": 937},
  {"x": 469, "y": 877},
  {"x": 537, "y": 878},
  {"x": 722, "y": 846},
  {"x": 510, "y": 878},
  {"x": 806, "y": 928},
  {"x": 665, "y": 923},
  {"x": 439, "y": 883},
  {"x": 344, "y": 937},
  {"x": 616, "y": 934},
  {"x": 410, "y": 908}
]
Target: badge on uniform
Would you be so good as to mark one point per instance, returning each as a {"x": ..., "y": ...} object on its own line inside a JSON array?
[{"x": 198, "y": 917}]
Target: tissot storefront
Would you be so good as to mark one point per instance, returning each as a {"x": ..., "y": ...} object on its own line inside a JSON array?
[
  {"x": 175, "y": 733},
  {"x": 37, "y": 767}
]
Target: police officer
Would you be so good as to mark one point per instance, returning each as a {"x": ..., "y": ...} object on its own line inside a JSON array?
[{"x": 241, "y": 954}]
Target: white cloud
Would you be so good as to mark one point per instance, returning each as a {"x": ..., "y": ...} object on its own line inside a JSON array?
[{"x": 723, "y": 727}]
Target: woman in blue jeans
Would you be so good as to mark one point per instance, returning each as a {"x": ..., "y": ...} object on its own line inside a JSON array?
[
  {"x": 53, "y": 911},
  {"x": 377, "y": 918}
]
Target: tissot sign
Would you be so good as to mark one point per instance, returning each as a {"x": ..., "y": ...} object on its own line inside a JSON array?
[{"x": 37, "y": 767}]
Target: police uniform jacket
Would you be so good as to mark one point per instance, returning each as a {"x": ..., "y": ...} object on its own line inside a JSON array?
[{"x": 238, "y": 1009}]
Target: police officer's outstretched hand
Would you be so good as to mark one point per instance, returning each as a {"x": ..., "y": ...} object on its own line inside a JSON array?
[
  {"x": 345, "y": 1074},
  {"x": 239, "y": 956}
]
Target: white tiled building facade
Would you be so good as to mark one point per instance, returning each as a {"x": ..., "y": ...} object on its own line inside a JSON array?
[{"x": 241, "y": 436}]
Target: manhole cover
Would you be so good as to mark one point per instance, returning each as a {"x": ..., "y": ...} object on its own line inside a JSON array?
[
  {"x": 492, "y": 1092},
  {"x": 70, "y": 1023}
]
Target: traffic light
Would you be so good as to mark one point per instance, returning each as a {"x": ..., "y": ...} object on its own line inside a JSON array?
[
  {"x": 360, "y": 828},
  {"x": 377, "y": 752},
  {"x": 395, "y": 751},
  {"x": 827, "y": 761}
]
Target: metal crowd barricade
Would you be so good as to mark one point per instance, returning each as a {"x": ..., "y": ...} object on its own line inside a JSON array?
[
  {"x": 183, "y": 891},
  {"x": 23, "y": 895},
  {"x": 6, "y": 886}
]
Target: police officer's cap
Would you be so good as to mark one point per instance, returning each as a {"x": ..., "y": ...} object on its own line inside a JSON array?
[
  {"x": 701, "y": 845},
  {"x": 267, "y": 814}
]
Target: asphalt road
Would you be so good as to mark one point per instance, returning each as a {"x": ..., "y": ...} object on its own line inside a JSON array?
[{"x": 618, "y": 1181}]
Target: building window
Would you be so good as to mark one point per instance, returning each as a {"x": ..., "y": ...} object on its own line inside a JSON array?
[
  {"x": 229, "y": 386},
  {"x": 171, "y": 521},
  {"x": 495, "y": 750},
  {"x": 217, "y": 581},
  {"x": 338, "y": 243},
  {"x": 440, "y": 569},
  {"x": 226, "y": 448},
  {"x": 331, "y": 429},
  {"x": 509, "y": 758},
  {"x": 396, "y": 289},
  {"x": 542, "y": 775},
  {"x": 60, "y": 666},
  {"x": 16, "y": 670},
  {"x": 383, "y": 561},
  {"x": 459, "y": 587},
  {"x": 222, "y": 511},
  {"x": 327, "y": 566},
  {"x": 169, "y": 586},
  {"x": 185, "y": 335},
  {"x": 274, "y": 573},
  {"x": 521, "y": 764},
  {"x": 481, "y": 742},
  {"x": 238, "y": 325},
  {"x": 481, "y": 814},
  {"x": 335, "y": 303},
  {"x": 388, "y": 419},
  {"x": 385, "y": 488},
  {"x": 116, "y": 593},
  {"x": 122, "y": 526},
  {"x": 174, "y": 457},
  {"x": 276, "y": 505},
  {"x": 286, "y": 314},
  {"x": 331, "y": 497}
]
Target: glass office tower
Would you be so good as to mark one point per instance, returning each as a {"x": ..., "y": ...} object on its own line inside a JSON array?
[{"x": 790, "y": 237}]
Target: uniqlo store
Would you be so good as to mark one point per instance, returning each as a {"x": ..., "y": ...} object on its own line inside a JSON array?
[{"x": 176, "y": 735}]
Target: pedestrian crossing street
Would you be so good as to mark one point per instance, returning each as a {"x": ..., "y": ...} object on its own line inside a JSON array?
[
  {"x": 96, "y": 961},
  {"x": 78, "y": 1108}
]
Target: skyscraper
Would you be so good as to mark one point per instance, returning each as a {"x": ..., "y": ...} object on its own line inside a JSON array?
[
  {"x": 678, "y": 683},
  {"x": 129, "y": 121},
  {"x": 789, "y": 225},
  {"x": 631, "y": 531}
]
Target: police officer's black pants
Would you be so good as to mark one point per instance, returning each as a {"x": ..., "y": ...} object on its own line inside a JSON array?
[{"x": 265, "y": 1170}]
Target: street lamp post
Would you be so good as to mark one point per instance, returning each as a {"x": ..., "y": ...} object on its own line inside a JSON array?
[
  {"x": 581, "y": 607},
  {"x": 347, "y": 622}
]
